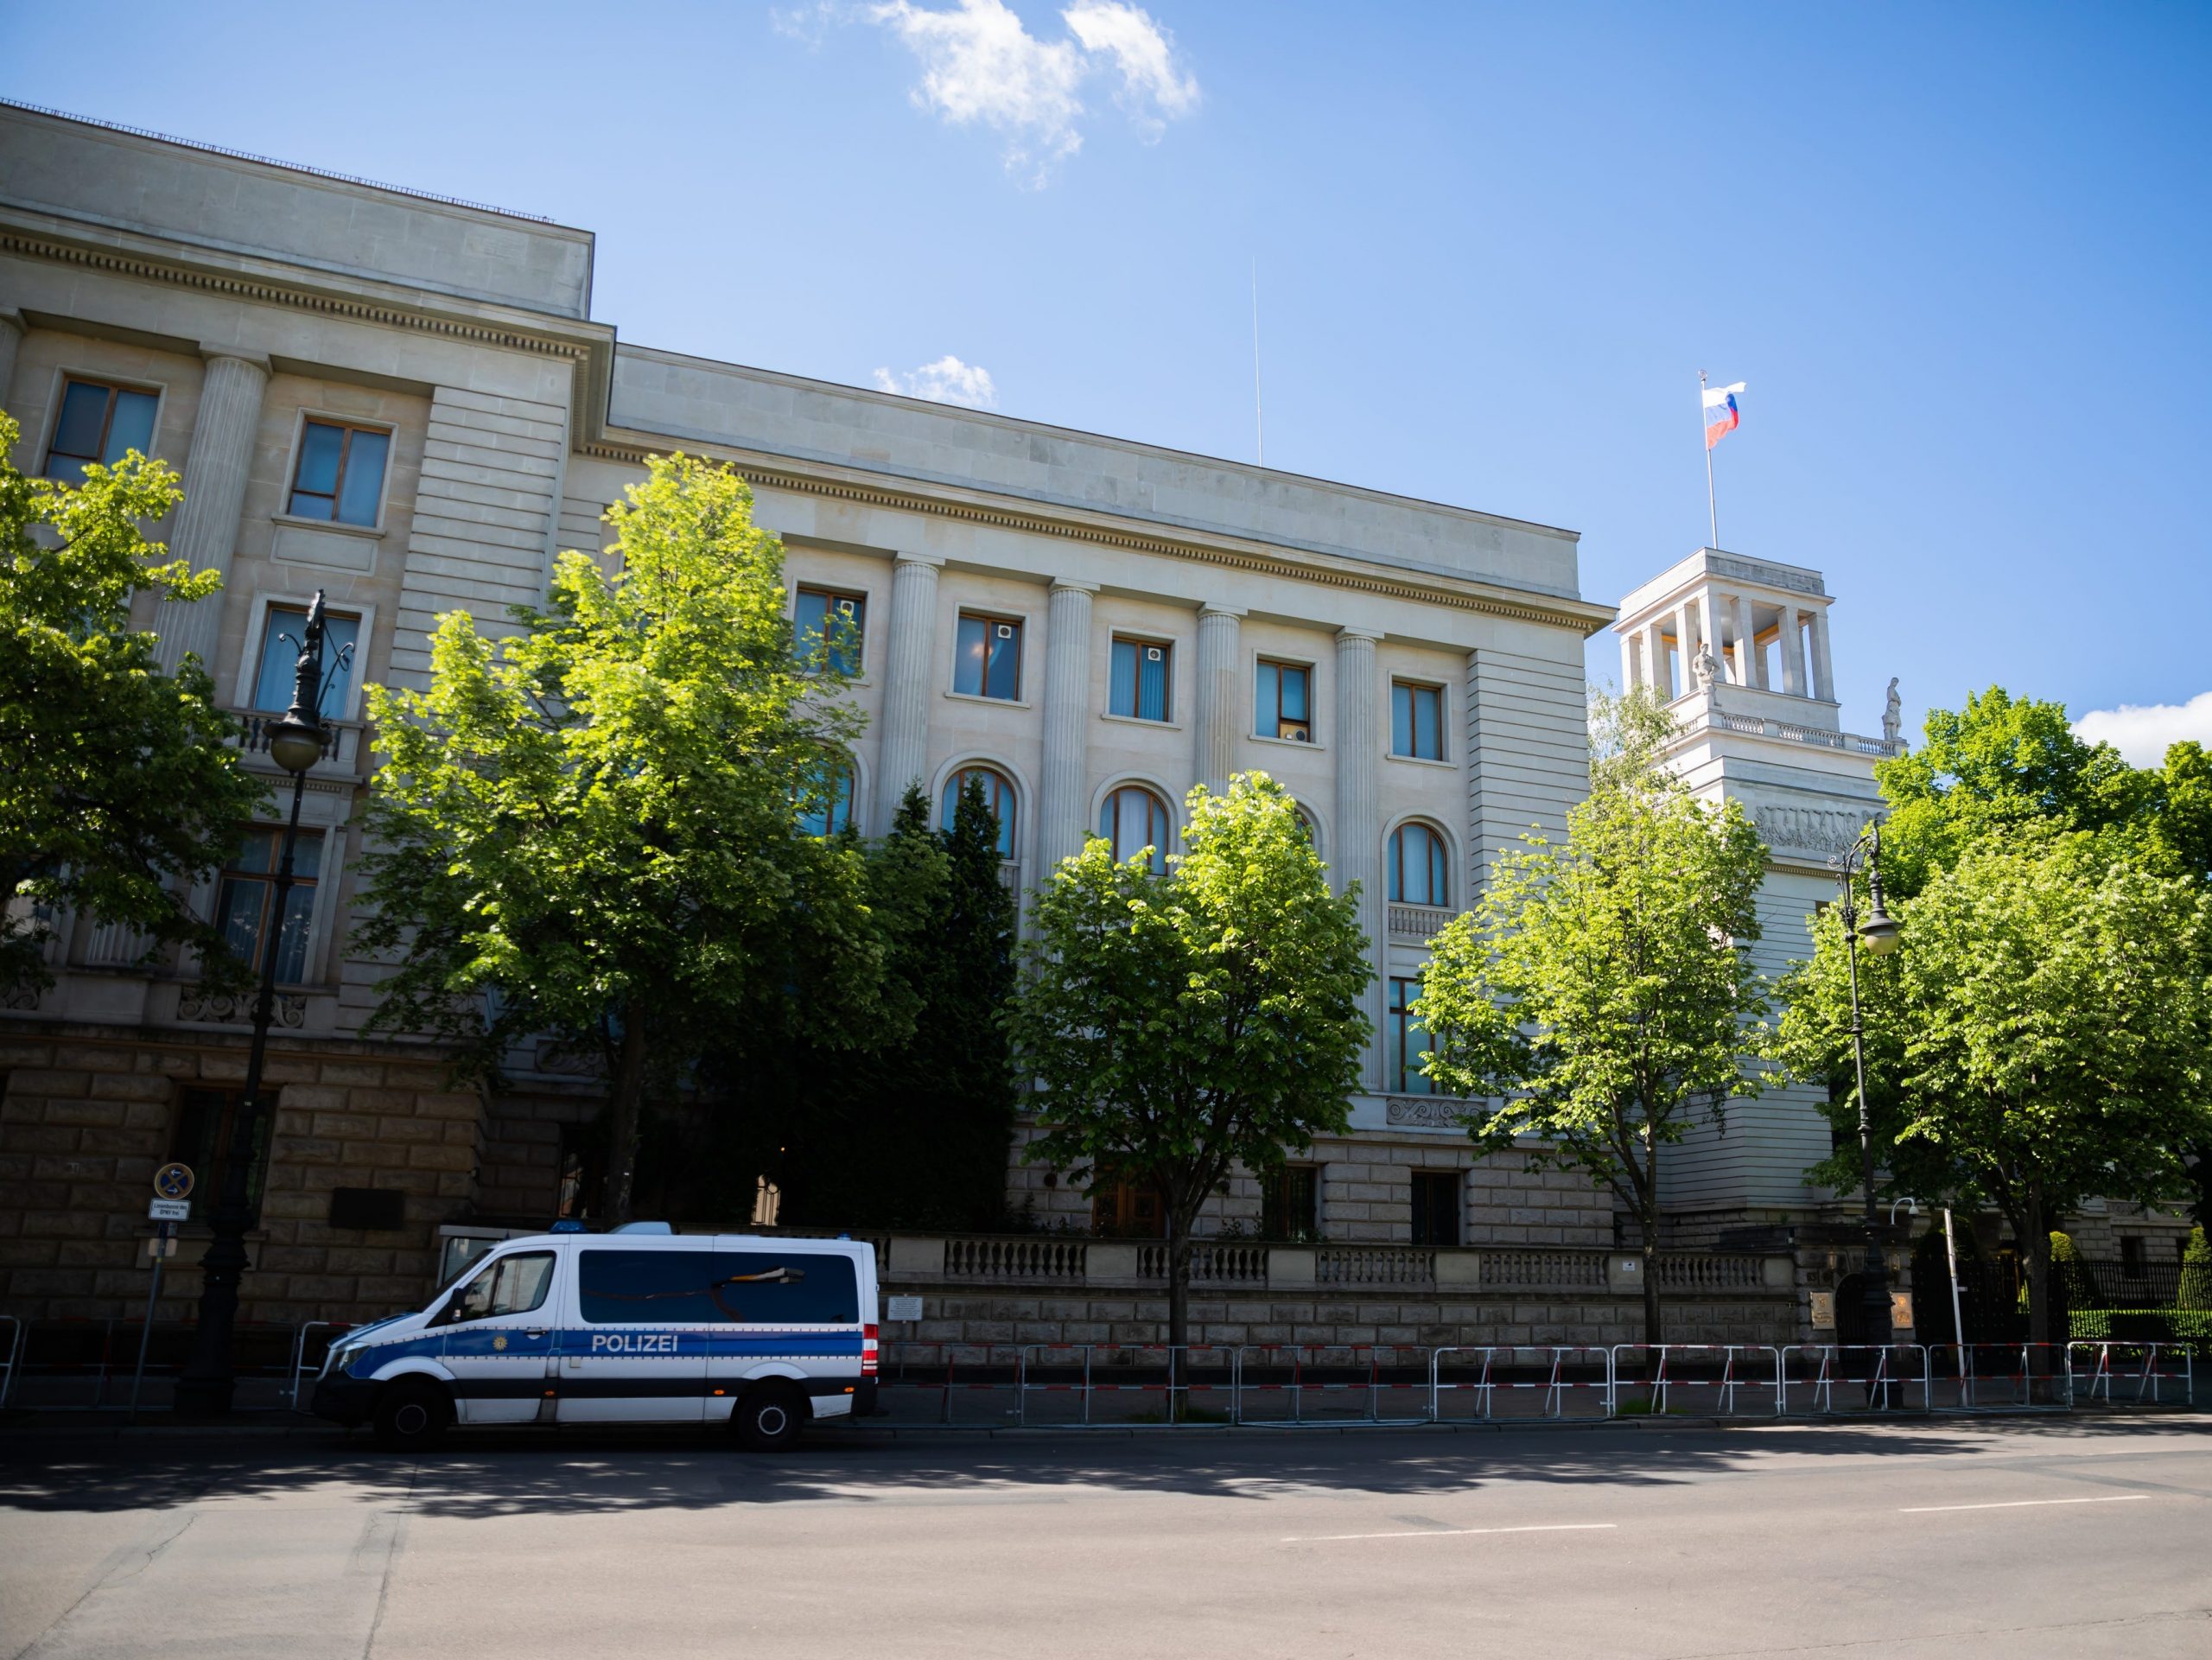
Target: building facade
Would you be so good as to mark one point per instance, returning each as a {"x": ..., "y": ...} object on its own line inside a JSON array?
[{"x": 405, "y": 403}]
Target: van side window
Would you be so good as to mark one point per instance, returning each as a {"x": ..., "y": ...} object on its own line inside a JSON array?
[
  {"x": 710, "y": 1287},
  {"x": 512, "y": 1285}
]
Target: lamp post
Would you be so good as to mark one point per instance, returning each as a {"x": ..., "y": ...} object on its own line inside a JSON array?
[
  {"x": 296, "y": 744},
  {"x": 1879, "y": 932}
]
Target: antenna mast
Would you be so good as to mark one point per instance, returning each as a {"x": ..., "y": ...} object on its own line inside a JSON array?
[{"x": 1259, "y": 421}]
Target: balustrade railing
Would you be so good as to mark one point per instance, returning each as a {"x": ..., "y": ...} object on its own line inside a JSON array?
[
  {"x": 1015, "y": 1259},
  {"x": 1546, "y": 1270},
  {"x": 1374, "y": 1265},
  {"x": 1696, "y": 1271},
  {"x": 1419, "y": 921},
  {"x": 1211, "y": 1262}
]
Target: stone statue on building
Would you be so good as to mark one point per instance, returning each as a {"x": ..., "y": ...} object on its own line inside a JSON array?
[
  {"x": 1707, "y": 665},
  {"x": 1893, "y": 715}
]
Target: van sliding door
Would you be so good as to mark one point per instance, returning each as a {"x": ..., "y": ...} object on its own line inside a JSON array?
[{"x": 638, "y": 1354}]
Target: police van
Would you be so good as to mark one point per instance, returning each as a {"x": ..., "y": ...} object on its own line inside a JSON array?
[{"x": 639, "y": 1326}]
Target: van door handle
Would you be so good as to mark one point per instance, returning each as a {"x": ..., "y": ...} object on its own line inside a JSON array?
[{"x": 540, "y": 1332}]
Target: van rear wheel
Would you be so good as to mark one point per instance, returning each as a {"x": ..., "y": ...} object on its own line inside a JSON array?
[
  {"x": 411, "y": 1413},
  {"x": 769, "y": 1418}
]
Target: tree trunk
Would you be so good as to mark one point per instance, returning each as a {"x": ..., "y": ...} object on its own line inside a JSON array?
[
  {"x": 2037, "y": 1249},
  {"x": 1178, "y": 1306},
  {"x": 626, "y": 1099}
]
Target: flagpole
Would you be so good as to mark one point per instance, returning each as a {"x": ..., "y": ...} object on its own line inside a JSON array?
[{"x": 1712, "y": 510}]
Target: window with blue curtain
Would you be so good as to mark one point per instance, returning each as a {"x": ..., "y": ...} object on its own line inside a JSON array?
[
  {"x": 998, "y": 796},
  {"x": 1282, "y": 699},
  {"x": 281, "y": 638},
  {"x": 1133, "y": 818},
  {"x": 1138, "y": 684},
  {"x": 1416, "y": 721},
  {"x": 245, "y": 901},
  {"x": 1408, "y": 1041},
  {"x": 827, "y": 629},
  {"x": 100, "y": 423},
  {"x": 1420, "y": 874},
  {"x": 339, "y": 474},
  {"x": 986, "y": 657},
  {"x": 826, "y": 807}
]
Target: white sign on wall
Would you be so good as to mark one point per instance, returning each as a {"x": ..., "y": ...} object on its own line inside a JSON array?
[{"x": 908, "y": 1309}]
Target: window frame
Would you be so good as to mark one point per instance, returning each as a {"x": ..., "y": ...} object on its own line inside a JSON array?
[
  {"x": 265, "y": 938},
  {"x": 211, "y": 1167},
  {"x": 1009, "y": 839},
  {"x": 1393, "y": 884},
  {"x": 1155, "y": 803},
  {"x": 1262, "y": 661},
  {"x": 1142, "y": 643},
  {"x": 1419, "y": 1214},
  {"x": 1277, "y": 1199},
  {"x": 989, "y": 619},
  {"x": 1399, "y": 1024},
  {"x": 257, "y": 635},
  {"x": 63, "y": 380},
  {"x": 849, "y": 774},
  {"x": 832, "y": 596},
  {"x": 349, "y": 425},
  {"x": 1415, "y": 689}
]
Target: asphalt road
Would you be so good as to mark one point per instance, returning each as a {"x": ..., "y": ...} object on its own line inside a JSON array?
[{"x": 2010, "y": 1539}]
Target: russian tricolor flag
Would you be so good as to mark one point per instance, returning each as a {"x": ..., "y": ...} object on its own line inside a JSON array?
[{"x": 1721, "y": 416}]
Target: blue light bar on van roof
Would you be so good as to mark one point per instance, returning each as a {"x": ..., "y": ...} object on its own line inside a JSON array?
[{"x": 566, "y": 1225}]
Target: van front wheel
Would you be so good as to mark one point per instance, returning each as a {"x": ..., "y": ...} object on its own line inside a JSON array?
[
  {"x": 770, "y": 1417},
  {"x": 410, "y": 1415}
]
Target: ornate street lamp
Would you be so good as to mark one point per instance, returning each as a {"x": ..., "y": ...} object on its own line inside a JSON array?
[
  {"x": 296, "y": 743},
  {"x": 1878, "y": 931}
]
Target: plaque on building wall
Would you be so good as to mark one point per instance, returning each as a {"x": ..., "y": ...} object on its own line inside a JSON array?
[{"x": 1824, "y": 1310}]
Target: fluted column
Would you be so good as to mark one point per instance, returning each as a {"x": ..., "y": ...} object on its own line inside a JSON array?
[
  {"x": 1066, "y": 781},
  {"x": 904, "y": 757},
  {"x": 1357, "y": 848},
  {"x": 1823, "y": 672},
  {"x": 1220, "y": 675},
  {"x": 206, "y": 528},
  {"x": 11, "y": 336}
]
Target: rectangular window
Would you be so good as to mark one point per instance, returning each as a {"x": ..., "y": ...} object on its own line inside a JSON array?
[
  {"x": 1436, "y": 1209},
  {"x": 1138, "y": 685},
  {"x": 248, "y": 895},
  {"x": 579, "y": 1171},
  {"x": 1283, "y": 698},
  {"x": 339, "y": 473},
  {"x": 707, "y": 1287},
  {"x": 2131, "y": 1255},
  {"x": 1407, "y": 1041},
  {"x": 827, "y": 627},
  {"x": 513, "y": 1285},
  {"x": 100, "y": 423},
  {"x": 200, "y": 1137},
  {"x": 1290, "y": 1203},
  {"x": 278, "y": 675},
  {"x": 987, "y": 659},
  {"x": 1416, "y": 721}
]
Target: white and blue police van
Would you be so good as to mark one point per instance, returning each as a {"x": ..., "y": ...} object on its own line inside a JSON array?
[{"x": 638, "y": 1326}]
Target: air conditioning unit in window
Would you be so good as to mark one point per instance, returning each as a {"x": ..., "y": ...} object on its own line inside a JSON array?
[
  {"x": 1151, "y": 654},
  {"x": 1296, "y": 734},
  {"x": 1006, "y": 630}
]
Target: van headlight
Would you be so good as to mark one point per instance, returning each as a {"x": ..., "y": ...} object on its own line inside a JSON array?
[{"x": 341, "y": 1358}]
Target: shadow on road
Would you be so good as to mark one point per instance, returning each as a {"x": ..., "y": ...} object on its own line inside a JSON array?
[{"x": 491, "y": 1474}]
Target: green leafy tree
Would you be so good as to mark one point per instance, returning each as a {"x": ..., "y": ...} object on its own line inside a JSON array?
[
  {"x": 121, "y": 788},
  {"x": 2041, "y": 1035},
  {"x": 596, "y": 818},
  {"x": 1179, "y": 1025},
  {"x": 909, "y": 1127},
  {"x": 1599, "y": 999}
]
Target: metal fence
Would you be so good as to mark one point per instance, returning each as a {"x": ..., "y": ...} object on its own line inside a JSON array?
[{"x": 90, "y": 1365}]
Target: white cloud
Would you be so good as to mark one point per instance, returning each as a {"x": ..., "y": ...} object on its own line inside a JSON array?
[
  {"x": 980, "y": 63},
  {"x": 2143, "y": 732},
  {"x": 946, "y": 381},
  {"x": 807, "y": 25}
]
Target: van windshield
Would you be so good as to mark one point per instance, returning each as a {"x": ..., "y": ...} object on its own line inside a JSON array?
[{"x": 710, "y": 1288}]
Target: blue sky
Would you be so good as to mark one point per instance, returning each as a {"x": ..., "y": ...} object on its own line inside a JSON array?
[{"x": 1962, "y": 256}]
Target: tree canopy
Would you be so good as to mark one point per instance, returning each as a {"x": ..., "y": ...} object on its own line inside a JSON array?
[
  {"x": 595, "y": 819},
  {"x": 123, "y": 786},
  {"x": 2041, "y": 1036},
  {"x": 1598, "y": 1000},
  {"x": 1180, "y": 1024}
]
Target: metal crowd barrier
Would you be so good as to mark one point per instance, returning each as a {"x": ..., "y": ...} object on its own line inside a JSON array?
[
  {"x": 68, "y": 1365},
  {"x": 1880, "y": 1370},
  {"x": 300, "y": 1352},
  {"x": 1665, "y": 1372},
  {"x": 2149, "y": 1378},
  {"x": 2003, "y": 1377},
  {"x": 1501, "y": 1366},
  {"x": 1298, "y": 1371},
  {"x": 14, "y": 1346}
]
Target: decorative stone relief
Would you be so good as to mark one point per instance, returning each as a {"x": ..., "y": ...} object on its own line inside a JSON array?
[
  {"x": 236, "y": 1007},
  {"x": 1815, "y": 830},
  {"x": 1751, "y": 570},
  {"x": 1425, "y": 1111}
]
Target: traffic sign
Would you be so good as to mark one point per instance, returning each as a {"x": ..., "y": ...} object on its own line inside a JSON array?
[
  {"x": 173, "y": 1181},
  {"x": 169, "y": 1209}
]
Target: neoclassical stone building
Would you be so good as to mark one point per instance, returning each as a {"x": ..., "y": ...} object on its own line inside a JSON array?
[{"x": 406, "y": 402}]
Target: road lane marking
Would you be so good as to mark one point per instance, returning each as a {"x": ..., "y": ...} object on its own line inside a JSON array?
[
  {"x": 1450, "y": 1533},
  {"x": 2018, "y": 1503}
]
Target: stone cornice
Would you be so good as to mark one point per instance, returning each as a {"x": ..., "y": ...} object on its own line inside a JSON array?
[{"x": 770, "y": 471}]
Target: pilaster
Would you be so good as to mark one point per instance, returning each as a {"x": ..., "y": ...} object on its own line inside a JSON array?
[
  {"x": 1067, "y": 778},
  {"x": 11, "y": 336},
  {"x": 205, "y": 528},
  {"x": 1823, "y": 672},
  {"x": 1219, "y": 680},
  {"x": 1357, "y": 850},
  {"x": 904, "y": 758}
]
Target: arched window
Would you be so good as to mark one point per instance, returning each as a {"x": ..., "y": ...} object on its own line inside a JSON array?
[
  {"x": 1133, "y": 817},
  {"x": 826, "y": 807},
  {"x": 1305, "y": 825},
  {"x": 1419, "y": 873},
  {"x": 998, "y": 796}
]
